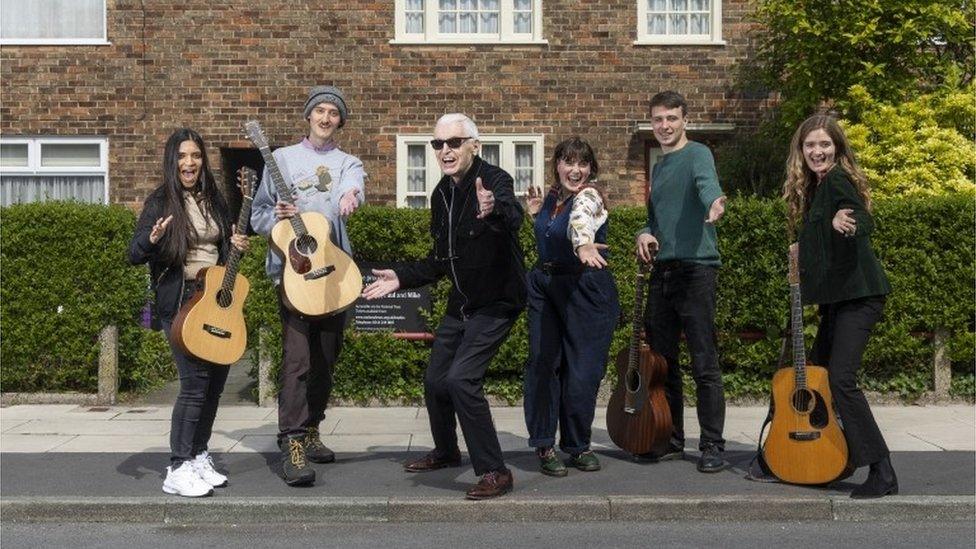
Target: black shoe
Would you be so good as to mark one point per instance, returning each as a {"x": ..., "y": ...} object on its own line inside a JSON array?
[
  {"x": 294, "y": 468},
  {"x": 315, "y": 451},
  {"x": 671, "y": 453},
  {"x": 711, "y": 461},
  {"x": 881, "y": 482}
]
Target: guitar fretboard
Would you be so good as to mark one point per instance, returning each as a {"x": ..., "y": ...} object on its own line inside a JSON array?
[
  {"x": 796, "y": 325},
  {"x": 284, "y": 193},
  {"x": 230, "y": 274}
]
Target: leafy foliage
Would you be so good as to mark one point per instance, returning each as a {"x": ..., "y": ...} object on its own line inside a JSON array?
[{"x": 814, "y": 52}]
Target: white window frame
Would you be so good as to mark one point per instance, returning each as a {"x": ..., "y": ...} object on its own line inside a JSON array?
[
  {"x": 103, "y": 41},
  {"x": 34, "y": 145},
  {"x": 432, "y": 34},
  {"x": 506, "y": 160},
  {"x": 714, "y": 38}
]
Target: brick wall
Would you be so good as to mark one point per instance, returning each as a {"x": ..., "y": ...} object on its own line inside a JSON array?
[{"x": 212, "y": 64}]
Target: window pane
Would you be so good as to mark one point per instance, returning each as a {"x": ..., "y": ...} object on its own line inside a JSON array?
[
  {"x": 13, "y": 155},
  {"x": 469, "y": 23},
  {"x": 699, "y": 24},
  {"x": 657, "y": 5},
  {"x": 448, "y": 22},
  {"x": 416, "y": 168},
  {"x": 419, "y": 202},
  {"x": 415, "y": 5},
  {"x": 657, "y": 24},
  {"x": 415, "y": 23},
  {"x": 52, "y": 19},
  {"x": 469, "y": 5},
  {"x": 523, "y": 167},
  {"x": 699, "y": 5},
  {"x": 489, "y": 22},
  {"x": 23, "y": 189},
  {"x": 679, "y": 5},
  {"x": 491, "y": 154},
  {"x": 54, "y": 155},
  {"x": 448, "y": 4},
  {"x": 523, "y": 5},
  {"x": 679, "y": 24},
  {"x": 523, "y": 23},
  {"x": 490, "y": 5}
]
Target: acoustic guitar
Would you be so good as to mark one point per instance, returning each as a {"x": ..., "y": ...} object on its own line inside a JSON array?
[
  {"x": 638, "y": 415},
  {"x": 805, "y": 444},
  {"x": 211, "y": 325},
  {"x": 319, "y": 278}
]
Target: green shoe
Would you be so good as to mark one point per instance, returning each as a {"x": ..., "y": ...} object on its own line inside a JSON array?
[
  {"x": 586, "y": 461},
  {"x": 549, "y": 464}
]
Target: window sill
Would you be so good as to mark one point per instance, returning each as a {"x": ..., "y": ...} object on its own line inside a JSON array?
[
  {"x": 689, "y": 42},
  {"x": 54, "y": 42},
  {"x": 456, "y": 42}
]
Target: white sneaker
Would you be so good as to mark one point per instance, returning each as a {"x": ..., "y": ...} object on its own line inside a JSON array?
[
  {"x": 204, "y": 468},
  {"x": 184, "y": 481}
]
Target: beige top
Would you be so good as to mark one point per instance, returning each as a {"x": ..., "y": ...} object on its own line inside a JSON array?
[{"x": 203, "y": 250}]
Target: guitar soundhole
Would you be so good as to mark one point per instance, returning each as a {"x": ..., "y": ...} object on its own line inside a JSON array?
[
  {"x": 633, "y": 381},
  {"x": 802, "y": 401},
  {"x": 307, "y": 245},
  {"x": 225, "y": 298}
]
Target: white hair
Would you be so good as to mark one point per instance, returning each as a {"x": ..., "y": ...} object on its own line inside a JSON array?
[{"x": 467, "y": 123}]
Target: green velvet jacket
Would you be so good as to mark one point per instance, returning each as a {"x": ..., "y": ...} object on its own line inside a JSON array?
[{"x": 834, "y": 267}]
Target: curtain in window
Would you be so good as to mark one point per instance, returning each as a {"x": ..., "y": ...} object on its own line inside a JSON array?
[
  {"x": 55, "y": 19},
  {"x": 39, "y": 188}
]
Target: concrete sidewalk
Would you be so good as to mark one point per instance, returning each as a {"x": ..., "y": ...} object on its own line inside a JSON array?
[{"x": 106, "y": 464}]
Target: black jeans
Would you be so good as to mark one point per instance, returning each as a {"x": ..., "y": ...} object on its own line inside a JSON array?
[
  {"x": 311, "y": 348},
  {"x": 681, "y": 297},
  {"x": 839, "y": 346},
  {"x": 201, "y": 384},
  {"x": 454, "y": 387}
]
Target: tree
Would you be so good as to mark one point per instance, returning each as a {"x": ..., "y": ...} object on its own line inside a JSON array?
[{"x": 813, "y": 52}]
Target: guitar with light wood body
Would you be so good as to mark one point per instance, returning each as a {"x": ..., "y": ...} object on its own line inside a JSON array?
[
  {"x": 805, "y": 444},
  {"x": 318, "y": 278},
  {"x": 211, "y": 325}
]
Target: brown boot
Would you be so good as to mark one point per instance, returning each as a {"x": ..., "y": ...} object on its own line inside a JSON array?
[
  {"x": 492, "y": 485},
  {"x": 433, "y": 461}
]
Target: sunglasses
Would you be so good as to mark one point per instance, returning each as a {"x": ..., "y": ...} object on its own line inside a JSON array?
[{"x": 453, "y": 142}]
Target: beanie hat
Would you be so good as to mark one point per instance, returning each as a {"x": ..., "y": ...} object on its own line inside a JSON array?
[{"x": 326, "y": 94}]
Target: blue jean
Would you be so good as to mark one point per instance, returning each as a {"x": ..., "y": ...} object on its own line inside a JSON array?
[
  {"x": 201, "y": 384},
  {"x": 571, "y": 320},
  {"x": 681, "y": 297}
]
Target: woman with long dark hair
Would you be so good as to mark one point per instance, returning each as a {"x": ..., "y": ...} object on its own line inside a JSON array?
[
  {"x": 830, "y": 213},
  {"x": 184, "y": 227},
  {"x": 572, "y": 310}
]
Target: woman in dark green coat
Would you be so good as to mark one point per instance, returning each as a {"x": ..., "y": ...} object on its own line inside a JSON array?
[{"x": 829, "y": 211}]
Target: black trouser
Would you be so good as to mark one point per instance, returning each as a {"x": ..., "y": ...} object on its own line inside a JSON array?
[
  {"x": 454, "y": 386},
  {"x": 681, "y": 297},
  {"x": 310, "y": 350},
  {"x": 841, "y": 338},
  {"x": 201, "y": 384}
]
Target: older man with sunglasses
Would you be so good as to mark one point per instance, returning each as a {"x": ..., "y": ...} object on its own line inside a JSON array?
[{"x": 474, "y": 222}]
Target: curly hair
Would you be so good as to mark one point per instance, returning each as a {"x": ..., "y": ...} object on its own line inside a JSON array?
[{"x": 801, "y": 181}]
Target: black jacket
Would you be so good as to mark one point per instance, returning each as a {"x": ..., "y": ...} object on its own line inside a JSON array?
[
  {"x": 166, "y": 280},
  {"x": 482, "y": 257},
  {"x": 834, "y": 267}
]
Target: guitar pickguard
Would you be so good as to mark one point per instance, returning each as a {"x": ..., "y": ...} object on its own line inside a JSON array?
[{"x": 299, "y": 262}]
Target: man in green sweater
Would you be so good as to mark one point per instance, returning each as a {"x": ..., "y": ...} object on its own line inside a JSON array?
[{"x": 684, "y": 203}]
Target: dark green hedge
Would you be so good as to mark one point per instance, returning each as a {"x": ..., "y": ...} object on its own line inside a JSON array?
[
  {"x": 65, "y": 277},
  {"x": 73, "y": 256}
]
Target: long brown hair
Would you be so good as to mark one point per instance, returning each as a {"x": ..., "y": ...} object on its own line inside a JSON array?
[
  {"x": 801, "y": 181},
  {"x": 177, "y": 239}
]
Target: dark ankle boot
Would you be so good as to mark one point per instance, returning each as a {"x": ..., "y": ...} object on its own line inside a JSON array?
[{"x": 881, "y": 481}]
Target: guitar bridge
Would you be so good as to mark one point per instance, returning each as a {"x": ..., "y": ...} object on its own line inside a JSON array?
[
  {"x": 803, "y": 436},
  {"x": 319, "y": 273},
  {"x": 215, "y": 331}
]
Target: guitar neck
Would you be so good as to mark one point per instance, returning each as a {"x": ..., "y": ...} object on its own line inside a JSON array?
[
  {"x": 230, "y": 274},
  {"x": 284, "y": 193},
  {"x": 638, "y": 320},
  {"x": 796, "y": 326}
]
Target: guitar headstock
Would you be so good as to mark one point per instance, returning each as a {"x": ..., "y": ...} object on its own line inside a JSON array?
[
  {"x": 794, "y": 264},
  {"x": 254, "y": 133},
  {"x": 247, "y": 179}
]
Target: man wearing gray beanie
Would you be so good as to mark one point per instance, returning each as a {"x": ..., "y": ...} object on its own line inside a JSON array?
[{"x": 326, "y": 180}]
